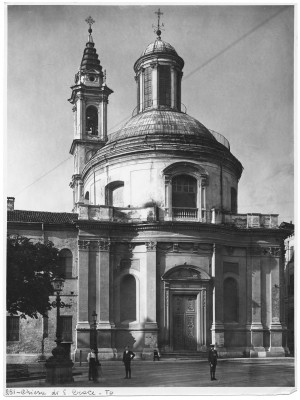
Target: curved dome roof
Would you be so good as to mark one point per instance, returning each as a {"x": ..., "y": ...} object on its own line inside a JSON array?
[
  {"x": 159, "y": 46},
  {"x": 158, "y": 121}
]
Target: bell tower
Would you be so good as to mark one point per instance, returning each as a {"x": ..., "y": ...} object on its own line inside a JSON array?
[{"x": 89, "y": 99}]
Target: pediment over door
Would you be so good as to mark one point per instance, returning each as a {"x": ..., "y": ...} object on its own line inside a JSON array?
[{"x": 186, "y": 272}]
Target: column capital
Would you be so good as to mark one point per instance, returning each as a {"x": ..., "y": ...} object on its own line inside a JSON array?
[
  {"x": 84, "y": 244},
  {"x": 154, "y": 64},
  {"x": 151, "y": 246},
  {"x": 103, "y": 244}
]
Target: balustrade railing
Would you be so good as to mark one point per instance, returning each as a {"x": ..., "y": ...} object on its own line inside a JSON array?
[{"x": 185, "y": 213}]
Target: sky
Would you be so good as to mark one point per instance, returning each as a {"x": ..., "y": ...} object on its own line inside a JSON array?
[{"x": 238, "y": 80}]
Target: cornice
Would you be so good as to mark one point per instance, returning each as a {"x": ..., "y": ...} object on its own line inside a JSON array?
[{"x": 193, "y": 150}]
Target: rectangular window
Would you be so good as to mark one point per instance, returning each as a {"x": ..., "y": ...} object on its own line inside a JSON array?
[
  {"x": 13, "y": 329},
  {"x": 164, "y": 85},
  {"x": 148, "y": 87},
  {"x": 66, "y": 328}
]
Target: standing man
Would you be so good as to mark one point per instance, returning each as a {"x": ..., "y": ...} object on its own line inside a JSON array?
[
  {"x": 213, "y": 360},
  {"x": 128, "y": 355},
  {"x": 92, "y": 359}
]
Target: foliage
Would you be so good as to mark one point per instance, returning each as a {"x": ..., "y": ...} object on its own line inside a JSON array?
[{"x": 30, "y": 269}]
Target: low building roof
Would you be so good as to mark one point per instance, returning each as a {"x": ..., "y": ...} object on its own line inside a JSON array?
[{"x": 41, "y": 216}]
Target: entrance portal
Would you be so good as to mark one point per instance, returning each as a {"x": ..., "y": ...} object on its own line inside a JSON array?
[{"x": 184, "y": 322}]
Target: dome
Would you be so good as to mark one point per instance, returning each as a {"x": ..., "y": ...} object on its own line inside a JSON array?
[
  {"x": 164, "y": 122},
  {"x": 159, "y": 46}
]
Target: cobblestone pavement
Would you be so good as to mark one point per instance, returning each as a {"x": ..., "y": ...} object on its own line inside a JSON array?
[{"x": 232, "y": 373}]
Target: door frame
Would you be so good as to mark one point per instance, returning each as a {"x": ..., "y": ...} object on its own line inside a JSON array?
[{"x": 200, "y": 314}]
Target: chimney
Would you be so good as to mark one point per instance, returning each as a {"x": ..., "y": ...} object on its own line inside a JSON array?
[{"x": 10, "y": 204}]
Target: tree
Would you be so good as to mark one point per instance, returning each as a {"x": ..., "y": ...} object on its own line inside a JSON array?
[{"x": 30, "y": 269}]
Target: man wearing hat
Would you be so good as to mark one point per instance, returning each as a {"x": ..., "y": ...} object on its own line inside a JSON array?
[{"x": 212, "y": 359}]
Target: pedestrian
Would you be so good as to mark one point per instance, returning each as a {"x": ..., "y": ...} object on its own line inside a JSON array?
[
  {"x": 156, "y": 355},
  {"x": 213, "y": 360},
  {"x": 92, "y": 360},
  {"x": 128, "y": 355}
]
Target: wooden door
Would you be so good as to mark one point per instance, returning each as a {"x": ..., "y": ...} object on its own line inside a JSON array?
[{"x": 184, "y": 323}]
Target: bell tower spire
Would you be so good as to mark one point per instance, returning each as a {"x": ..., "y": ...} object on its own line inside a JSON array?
[{"x": 89, "y": 99}]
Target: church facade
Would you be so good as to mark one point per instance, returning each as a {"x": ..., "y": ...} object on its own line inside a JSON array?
[{"x": 155, "y": 245}]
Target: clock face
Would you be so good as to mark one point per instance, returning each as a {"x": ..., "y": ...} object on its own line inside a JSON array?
[{"x": 90, "y": 79}]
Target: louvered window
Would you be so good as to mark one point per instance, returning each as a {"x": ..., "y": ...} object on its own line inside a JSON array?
[{"x": 13, "y": 329}]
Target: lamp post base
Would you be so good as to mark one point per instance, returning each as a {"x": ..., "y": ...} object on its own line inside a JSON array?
[{"x": 59, "y": 367}]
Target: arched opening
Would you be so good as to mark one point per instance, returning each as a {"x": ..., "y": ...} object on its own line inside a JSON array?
[
  {"x": 128, "y": 299},
  {"x": 87, "y": 196},
  {"x": 92, "y": 120},
  {"x": 231, "y": 300},
  {"x": 184, "y": 196},
  {"x": 66, "y": 263},
  {"x": 114, "y": 194}
]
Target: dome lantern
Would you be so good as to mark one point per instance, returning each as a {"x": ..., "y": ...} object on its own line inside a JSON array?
[{"x": 158, "y": 75}]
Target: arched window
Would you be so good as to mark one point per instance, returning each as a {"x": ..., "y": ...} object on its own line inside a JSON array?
[
  {"x": 92, "y": 120},
  {"x": 114, "y": 194},
  {"x": 128, "y": 299},
  {"x": 184, "y": 196},
  {"x": 87, "y": 196},
  {"x": 231, "y": 300},
  {"x": 185, "y": 192},
  {"x": 66, "y": 263},
  {"x": 233, "y": 200}
]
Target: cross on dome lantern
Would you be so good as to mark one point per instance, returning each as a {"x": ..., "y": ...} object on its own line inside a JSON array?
[{"x": 158, "y": 28}]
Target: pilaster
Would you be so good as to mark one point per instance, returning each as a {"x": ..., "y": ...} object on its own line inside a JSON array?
[
  {"x": 151, "y": 285},
  {"x": 103, "y": 282},
  {"x": 168, "y": 198},
  {"x": 154, "y": 67},
  {"x": 150, "y": 324},
  {"x": 83, "y": 284},
  {"x": 255, "y": 324},
  {"x": 173, "y": 87},
  {"x": 217, "y": 329}
]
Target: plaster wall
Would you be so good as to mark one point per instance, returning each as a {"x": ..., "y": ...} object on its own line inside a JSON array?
[{"x": 144, "y": 182}]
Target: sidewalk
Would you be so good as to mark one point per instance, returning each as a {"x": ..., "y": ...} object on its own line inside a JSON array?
[{"x": 266, "y": 372}]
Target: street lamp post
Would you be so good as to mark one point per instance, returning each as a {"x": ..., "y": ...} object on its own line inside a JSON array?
[{"x": 59, "y": 366}]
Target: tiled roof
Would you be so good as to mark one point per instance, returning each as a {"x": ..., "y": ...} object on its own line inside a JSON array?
[
  {"x": 159, "y": 46},
  {"x": 157, "y": 121},
  {"x": 41, "y": 216}
]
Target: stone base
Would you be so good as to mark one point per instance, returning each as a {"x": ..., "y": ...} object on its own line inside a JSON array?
[
  {"x": 147, "y": 354},
  {"x": 276, "y": 352},
  {"x": 107, "y": 353},
  {"x": 58, "y": 371},
  {"x": 258, "y": 352}
]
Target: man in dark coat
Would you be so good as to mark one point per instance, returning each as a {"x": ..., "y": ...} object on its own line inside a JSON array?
[
  {"x": 213, "y": 360},
  {"x": 128, "y": 355}
]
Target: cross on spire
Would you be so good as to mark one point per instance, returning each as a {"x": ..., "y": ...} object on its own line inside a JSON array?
[
  {"x": 90, "y": 22},
  {"x": 159, "y": 27}
]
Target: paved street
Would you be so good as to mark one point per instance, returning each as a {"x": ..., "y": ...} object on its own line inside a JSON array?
[{"x": 185, "y": 373}]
